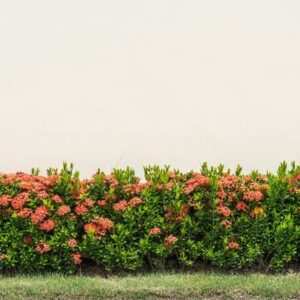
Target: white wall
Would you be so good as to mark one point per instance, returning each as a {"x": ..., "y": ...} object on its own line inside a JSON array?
[{"x": 115, "y": 83}]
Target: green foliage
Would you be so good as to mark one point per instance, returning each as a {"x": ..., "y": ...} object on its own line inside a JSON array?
[{"x": 58, "y": 221}]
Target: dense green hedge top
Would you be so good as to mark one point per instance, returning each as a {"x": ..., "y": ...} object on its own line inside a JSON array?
[{"x": 117, "y": 221}]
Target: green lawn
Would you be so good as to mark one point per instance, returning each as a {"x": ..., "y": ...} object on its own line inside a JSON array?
[{"x": 155, "y": 286}]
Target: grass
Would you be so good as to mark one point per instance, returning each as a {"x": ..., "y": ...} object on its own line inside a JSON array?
[{"x": 154, "y": 286}]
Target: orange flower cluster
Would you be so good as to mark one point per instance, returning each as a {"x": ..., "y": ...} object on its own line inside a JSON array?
[
  {"x": 47, "y": 225},
  {"x": 63, "y": 210},
  {"x": 170, "y": 240},
  {"x": 197, "y": 180},
  {"x": 5, "y": 200},
  {"x": 233, "y": 245},
  {"x": 19, "y": 200},
  {"x": 81, "y": 209},
  {"x": 135, "y": 188},
  {"x": 226, "y": 224},
  {"x": 72, "y": 243},
  {"x": 120, "y": 206},
  {"x": 42, "y": 247},
  {"x": 134, "y": 201},
  {"x": 238, "y": 193},
  {"x": 76, "y": 258},
  {"x": 39, "y": 214},
  {"x": 154, "y": 231},
  {"x": 98, "y": 226},
  {"x": 253, "y": 196},
  {"x": 224, "y": 210}
]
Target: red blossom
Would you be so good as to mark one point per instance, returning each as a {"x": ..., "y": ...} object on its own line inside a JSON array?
[
  {"x": 226, "y": 224},
  {"x": 47, "y": 225},
  {"x": 197, "y": 180},
  {"x": 228, "y": 181},
  {"x": 98, "y": 225},
  {"x": 241, "y": 206},
  {"x": 224, "y": 210},
  {"x": 102, "y": 202},
  {"x": 76, "y": 258},
  {"x": 57, "y": 199},
  {"x": 42, "y": 247},
  {"x": 24, "y": 213},
  {"x": 63, "y": 210},
  {"x": 134, "y": 201},
  {"x": 120, "y": 206},
  {"x": 4, "y": 200},
  {"x": 89, "y": 202},
  {"x": 154, "y": 231},
  {"x": 221, "y": 194},
  {"x": 233, "y": 245},
  {"x": 19, "y": 200},
  {"x": 72, "y": 243},
  {"x": 90, "y": 228},
  {"x": 81, "y": 210},
  {"x": 253, "y": 196},
  {"x": 39, "y": 214},
  {"x": 42, "y": 195},
  {"x": 170, "y": 241}
]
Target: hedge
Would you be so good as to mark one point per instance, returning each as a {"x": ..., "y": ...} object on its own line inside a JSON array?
[{"x": 118, "y": 222}]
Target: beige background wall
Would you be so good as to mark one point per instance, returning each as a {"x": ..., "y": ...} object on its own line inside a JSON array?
[{"x": 115, "y": 83}]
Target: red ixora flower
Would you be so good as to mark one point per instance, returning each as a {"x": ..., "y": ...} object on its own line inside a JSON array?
[
  {"x": 154, "y": 231},
  {"x": 224, "y": 210},
  {"x": 241, "y": 206},
  {"x": 24, "y": 213},
  {"x": 98, "y": 225},
  {"x": 42, "y": 195},
  {"x": 42, "y": 247},
  {"x": 120, "y": 206},
  {"x": 221, "y": 194},
  {"x": 197, "y": 180},
  {"x": 39, "y": 214},
  {"x": 253, "y": 196},
  {"x": 19, "y": 200},
  {"x": 90, "y": 228},
  {"x": 135, "y": 201},
  {"x": 170, "y": 240},
  {"x": 4, "y": 200},
  {"x": 228, "y": 180},
  {"x": 233, "y": 245},
  {"x": 102, "y": 202},
  {"x": 76, "y": 258},
  {"x": 89, "y": 202},
  {"x": 57, "y": 199},
  {"x": 226, "y": 224},
  {"x": 72, "y": 243},
  {"x": 81, "y": 209},
  {"x": 47, "y": 225},
  {"x": 63, "y": 210}
]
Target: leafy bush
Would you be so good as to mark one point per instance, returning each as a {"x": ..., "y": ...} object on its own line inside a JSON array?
[{"x": 230, "y": 220}]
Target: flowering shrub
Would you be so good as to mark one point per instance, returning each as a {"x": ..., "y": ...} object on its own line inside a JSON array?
[{"x": 231, "y": 220}]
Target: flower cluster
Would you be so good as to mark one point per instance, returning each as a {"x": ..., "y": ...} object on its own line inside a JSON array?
[
  {"x": 197, "y": 180},
  {"x": 98, "y": 226}
]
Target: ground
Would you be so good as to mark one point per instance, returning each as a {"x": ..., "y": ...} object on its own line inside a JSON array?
[{"x": 154, "y": 286}]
